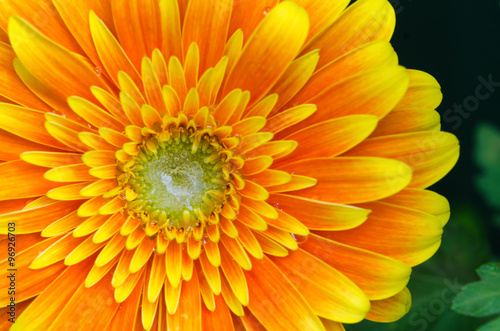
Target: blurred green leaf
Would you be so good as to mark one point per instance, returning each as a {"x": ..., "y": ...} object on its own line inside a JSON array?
[
  {"x": 487, "y": 157},
  {"x": 491, "y": 326},
  {"x": 481, "y": 298}
]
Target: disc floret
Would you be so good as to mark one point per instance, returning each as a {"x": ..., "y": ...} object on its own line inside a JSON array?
[{"x": 178, "y": 179}]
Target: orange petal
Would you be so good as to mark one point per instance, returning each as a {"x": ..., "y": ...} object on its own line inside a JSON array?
[
  {"x": 285, "y": 27},
  {"x": 219, "y": 319},
  {"x": 142, "y": 254},
  {"x": 28, "y": 124},
  {"x": 290, "y": 311},
  {"x": 11, "y": 86},
  {"x": 111, "y": 250},
  {"x": 295, "y": 77},
  {"x": 352, "y": 179},
  {"x": 171, "y": 22},
  {"x": 424, "y": 92},
  {"x": 51, "y": 159},
  {"x": 93, "y": 114},
  {"x": 126, "y": 316},
  {"x": 109, "y": 228},
  {"x": 321, "y": 13},
  {"x": 374, "y": 92},
  {"x": 42, "y": 312},
  {"x": 82, "y": 251},
  {"x": 346, "y": 132},
  {"x": 248, "y": 240},
  {"x": 375, "y": 54},
  {"x": 156, "y": 277},
  {"x": 52, "y": 64},
  {"x": 247, "y": 15},
  {"x": 152, "y": 86},
  {"x": 235, "y": 249},
  {"x": 211, "y": 273},
  {"x": 361, "y": 23},
  {"x": 422, "y": 233},
  {"x": 206, "y": 24},
  {"x": 75, "y": 15},
  {"x": 123, "y": 291},
  {"x": 188, "y": 313},
  {"x": 138, "y": 27},
  {"x": 68, "y": 192},
  {"x": 235, "y": 276},
  {"x": 109, "y": 50},
  {"x": 431, "y": 155},
  {"x": 44, "y": 17},
  {"x": 90, "y": 225},
  {"x": 422, "y": 200},
  {"x": 56, "y": 252},
  {"x": 62, "y": 225},
  {"x": 289, "y": 117},
  {"x": 15, "y": 146},
  {"x": 368, "y": 270},
  {"x": 319, "y": 215},
  {"x": 174, "y": 262},
  {"x": 92, "y": 307},
  {"x": 331, "y": 294},
  {"x": 19, "y": 179},
  {"x": 390, "y": 309}
]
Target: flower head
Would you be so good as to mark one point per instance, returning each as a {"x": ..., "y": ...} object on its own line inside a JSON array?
[{"x": 198, "y": 165}]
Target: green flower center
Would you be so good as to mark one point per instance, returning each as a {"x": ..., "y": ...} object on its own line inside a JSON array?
[{"x": 178, "y": 183}]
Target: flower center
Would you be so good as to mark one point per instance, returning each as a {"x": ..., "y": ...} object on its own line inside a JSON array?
[{"x": 177, "y": 180}]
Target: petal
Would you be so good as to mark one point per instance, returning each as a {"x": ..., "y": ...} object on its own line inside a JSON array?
[
  {"x": 40, "y": 314},
  {"x": 44, "y": 17},
  {"x": 27, "y": 123},
  {"x": 424, "y": 92},
  {"x": 431, "y": 155},
  {"x": 375, "y": 54},
  {"x": 219, "y": 319},
  {"x": 19, "y": 179},
  {"x": 275, "y": 302},
  {"x": 75, "y": 15},
  {"x": 172, "y": 14},
  {"x": 422, "y": 200},
  {"x": 126, "y": 316},
  {"x": 14, "y": 146},
  {"x": 138, "y": 27},
  {"x": 320, "y": 215},
  {"x": 368, "y": 270},
  {"x": 321, "y": 13},
  {"x": 69, "y": 173},
  {"x": 50, "y": 159},
  {"x": 351, "y": 179},
  {"x": 374, "y": 92},
  {"x": 91, "y": 307},
  {"x": 331, "y": 137},
  {"x": 390, "y": 309},
  {"x": 362, "y": 22},
  {"x": 410, "y": 236},
  {"x": 11, "y": 86},
  {"x": 247, "y": 15},
  {"x": 206, "y": 24},
  {"x": 110, "y": 52},
  {"x": 93, "y": 114},
  {"x": 331, "y": 294},
  {"x": 52, "y": 64},
  {"x": 188, "y": 313},
  {"x": 260, "y": 65}
]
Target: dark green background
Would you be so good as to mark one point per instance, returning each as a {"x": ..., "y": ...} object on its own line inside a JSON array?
[{"x": 456, "y": 42}]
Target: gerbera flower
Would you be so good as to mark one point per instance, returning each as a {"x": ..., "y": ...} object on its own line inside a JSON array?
[{"x": 199, "y": 165}]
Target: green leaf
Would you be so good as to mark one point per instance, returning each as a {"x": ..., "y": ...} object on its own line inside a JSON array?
[
  {"x": 481, "y": 298},
  {"x": 491, "y": 326}
]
